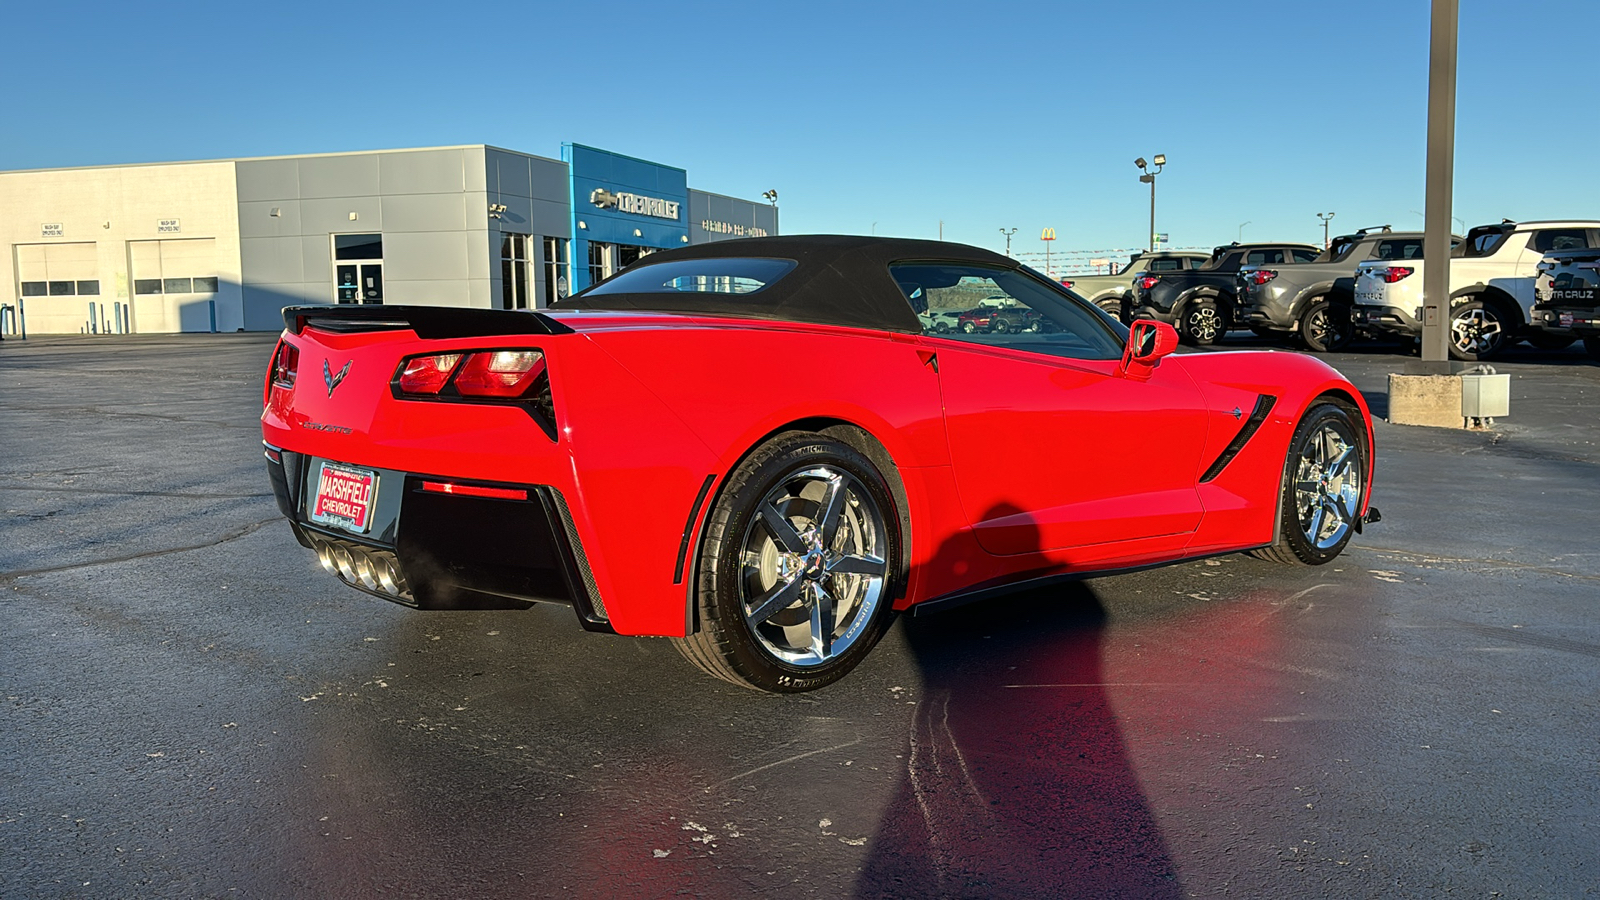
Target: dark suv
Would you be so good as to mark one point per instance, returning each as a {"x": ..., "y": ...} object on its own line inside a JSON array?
[{"x": 1202, "y": 303}]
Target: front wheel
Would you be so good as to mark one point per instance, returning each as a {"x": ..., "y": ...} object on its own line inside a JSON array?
[
  {"x": 1478, "y": 331},
  {"x": 1323, "y": 330},
  {"x": 797, "y": 567},
  {"x": 1203, "y": 322},
  {"x": 1322, "y": 488}
]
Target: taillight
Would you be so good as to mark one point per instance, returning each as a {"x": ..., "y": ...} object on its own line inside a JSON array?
[
  {"x": 1391, "y": 274},
  {"x": 1067, "y": 284},
  {"x": 285, "y": 366},
  {"x": 507, "y": 374},
  {"x": 494, "y": 374},
  {"x": 427, "y": 374},
  {"x": 1146, "y": 282},
  {"x": 1261, "y": 276}
]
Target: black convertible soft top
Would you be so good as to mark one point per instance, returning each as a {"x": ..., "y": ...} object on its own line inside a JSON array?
[{"x": 838, "y": 279}]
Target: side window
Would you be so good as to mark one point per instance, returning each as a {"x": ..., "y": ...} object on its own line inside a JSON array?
[
  {"x": 1400, "y": 248},
  {"x": 1166, "y": 264},
  {"x": 1263, "y": 257},
  {"x": 1006, "y": 308},
  {"x": 1560, "y": 239},
  {"x": 1303, "y": 255}
]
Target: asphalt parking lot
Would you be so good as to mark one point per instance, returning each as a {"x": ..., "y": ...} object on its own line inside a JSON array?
[{"x": 193, "y": 708}]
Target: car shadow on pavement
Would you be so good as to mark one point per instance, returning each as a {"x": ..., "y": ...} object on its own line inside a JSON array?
[{"x": 1017, "y": 782}]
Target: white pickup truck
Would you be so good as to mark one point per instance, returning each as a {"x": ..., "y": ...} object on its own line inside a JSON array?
[{"x": 1492, "y": 293}]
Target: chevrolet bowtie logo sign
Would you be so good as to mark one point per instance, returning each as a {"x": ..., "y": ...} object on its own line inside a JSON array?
[
  {"x": 331, "y": 379},
  {"x": 622, "y": 201}
]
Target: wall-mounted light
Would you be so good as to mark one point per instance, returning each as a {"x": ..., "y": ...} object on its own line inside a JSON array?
[
  {"x": 277, "y": 212},
  {"x": 684, "y": 238},
  {"x": 638, "y": 233},
  {"x": 495, "y": 209},
  {"x": 354, "y": 217},
  {"x": 582, "y": 224}
]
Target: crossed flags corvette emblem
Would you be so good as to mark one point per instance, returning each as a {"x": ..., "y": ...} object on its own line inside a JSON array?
[{"x": 331, "y": 379}]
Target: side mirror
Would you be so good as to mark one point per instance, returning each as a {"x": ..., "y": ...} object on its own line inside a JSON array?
[{"x": 1148, "y": 341}]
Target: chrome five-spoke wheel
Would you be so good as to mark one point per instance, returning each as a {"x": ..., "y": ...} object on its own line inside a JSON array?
[
  {"x": 1327, "y": 487},
  {"x": 1324, "y": 485},
  {"x": 814, "y": 566},
  {"x": 799, "y": 563}
]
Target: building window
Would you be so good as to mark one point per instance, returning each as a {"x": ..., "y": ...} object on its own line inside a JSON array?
[
  {"x": 202, "y": 285},
  {"x": 556, "y": 283},
  {"x": 175, "y": 286},
  {"x": 147, "y": 285},
  {"x": 34, "y": 289},
  {"x": 89, "y": 288},
  {"x": 515, "y": 291},
  {"x": 61, "y": 289},
  {"x": 598, "y": 254},
  {"x": 358, "y": 246}
]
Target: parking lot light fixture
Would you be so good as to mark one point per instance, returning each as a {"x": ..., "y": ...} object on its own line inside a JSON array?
[
  {"x": 1149, "y": 177},
  {"x": 1008, "y": 235},
  {"x": 1326, "y": 218}
]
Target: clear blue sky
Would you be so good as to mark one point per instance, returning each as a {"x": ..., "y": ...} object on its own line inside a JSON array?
[{"x": 985, "y": 115}]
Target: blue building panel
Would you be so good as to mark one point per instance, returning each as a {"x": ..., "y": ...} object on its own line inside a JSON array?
[{"x": 618, "y": 199}]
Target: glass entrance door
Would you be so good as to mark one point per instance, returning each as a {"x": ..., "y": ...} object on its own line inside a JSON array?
[
  {"x": 358, "y": 268},
  {"x": 360, "y": 282}
]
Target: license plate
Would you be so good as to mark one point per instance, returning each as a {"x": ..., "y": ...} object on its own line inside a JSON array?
[
  {"x": 344, "y": 497},
  {"x": 1566, "y": 320},
  {"x": 1368, "y": 298}
]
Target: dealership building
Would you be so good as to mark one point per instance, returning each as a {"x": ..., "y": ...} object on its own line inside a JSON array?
[{"x": 223, "y": 245}]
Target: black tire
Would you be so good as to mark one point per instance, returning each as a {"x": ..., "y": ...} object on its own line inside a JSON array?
[
  {"x": 1203, "y": 322},
  {"x": 1323, "y": 330},
  {"x": 1479, "y": 330},
  {"x": 941, "y": 327},
  {"x": 967, "y": 327},
  {"x": 762, "y": 548},
  {"x": 1112, "y": 306},
  {"x": 1549, "y": 342},
  {"x": 1001, "y": 326},
  {"x": 1317, "y": 511}
]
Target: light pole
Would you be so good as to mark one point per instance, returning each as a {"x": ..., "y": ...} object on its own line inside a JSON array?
[
  {"x": 771, "y": 196},
  {"x": 1240, "y": 238},
  {"x": 1149, "y": 177},
  {"x": 1008, "y": 235},
  {"x": 1326, "y": 218}
]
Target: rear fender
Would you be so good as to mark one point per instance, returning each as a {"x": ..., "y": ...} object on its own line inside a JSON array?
[{"x": 1303, "y": 301}]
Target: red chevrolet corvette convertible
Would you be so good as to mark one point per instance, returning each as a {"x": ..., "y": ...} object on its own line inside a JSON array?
[{"x": 765, "y": 448}]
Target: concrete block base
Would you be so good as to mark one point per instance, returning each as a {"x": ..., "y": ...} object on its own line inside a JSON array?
[{"x": 1426, "y": 400}]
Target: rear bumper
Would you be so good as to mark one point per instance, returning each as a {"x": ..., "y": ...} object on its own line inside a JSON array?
[
  {"x": 435, "y": 550},
  {"x": 1578, "y": 321},
  {"x": 1384, "y": 319}
]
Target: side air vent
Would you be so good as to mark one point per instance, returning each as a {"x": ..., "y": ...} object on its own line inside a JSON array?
[{"x": 1264, "y": 404}]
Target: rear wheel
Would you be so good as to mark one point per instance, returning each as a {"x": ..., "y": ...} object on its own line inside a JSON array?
[
  {"x": 796, "y": 568},
  {"x": 1323, "y": 485},
  {"x": 1479, "y": 330},
  {"x": 1203, "y": 322},
  {"x": 1323, "y": 330}
]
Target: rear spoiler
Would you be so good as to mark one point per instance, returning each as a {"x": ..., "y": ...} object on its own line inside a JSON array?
[{"x": 429, "y": 322}]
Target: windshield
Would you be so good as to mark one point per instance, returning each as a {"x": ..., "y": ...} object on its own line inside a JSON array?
[{"x": 731, "y": 275}]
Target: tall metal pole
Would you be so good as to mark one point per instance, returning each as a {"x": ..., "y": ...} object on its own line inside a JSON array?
[
  {"x": 1152, "y": 212},
  {"x": 1441, "y": 182}
]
